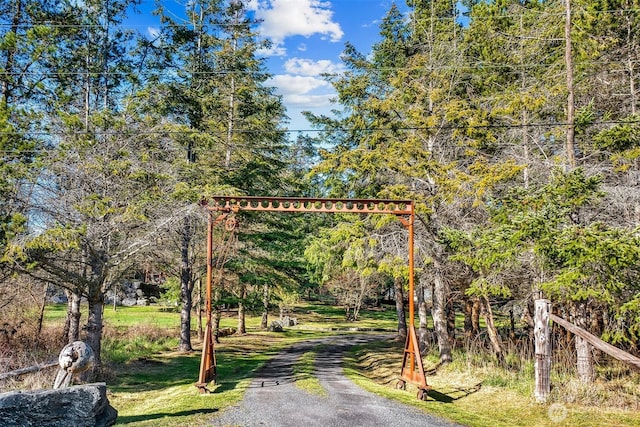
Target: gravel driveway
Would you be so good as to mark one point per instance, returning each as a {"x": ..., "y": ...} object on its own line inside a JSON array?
[{"x": 273, "y": 399}]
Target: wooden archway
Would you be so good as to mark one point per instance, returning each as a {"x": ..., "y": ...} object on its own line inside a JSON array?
[{"x": 220, "y": 207}]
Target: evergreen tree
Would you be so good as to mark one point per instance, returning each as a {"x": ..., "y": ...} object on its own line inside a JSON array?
[
  {"x": 93, "y": 203},
  {"x": 224, "y": 115},
  {"x": 27, "y": 45}
]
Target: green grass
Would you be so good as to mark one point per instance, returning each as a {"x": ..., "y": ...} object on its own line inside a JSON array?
[
  {"x": 309, "y": 315},
  {"x": 320, "y": 316},
  {"x": 125, "y": 317},
  {"x": 121, "y": 350},
  {"x": 304, "y": 374}
]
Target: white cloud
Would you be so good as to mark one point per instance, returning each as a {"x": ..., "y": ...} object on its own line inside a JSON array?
[
  {"x": 289, "y": 84},
  {"x": 274, "y": 50},
  {"x": 153, "y": 32},
  {"x": 308, "y": 67},
  {"x": 309, "y": 102},
  {"x": 286, "y": 18},
  {"x": 298, "y": 90},
  {"x": 302, "y": 86}
]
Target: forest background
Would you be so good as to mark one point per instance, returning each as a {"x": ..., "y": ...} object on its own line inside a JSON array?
[{"x": 516, "y": 133}]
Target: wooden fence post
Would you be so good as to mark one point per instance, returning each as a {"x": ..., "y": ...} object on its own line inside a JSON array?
[{"x": 542, "y": 334}]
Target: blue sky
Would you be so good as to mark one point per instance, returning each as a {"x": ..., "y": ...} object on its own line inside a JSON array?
[{"x": 308, "y": 37}]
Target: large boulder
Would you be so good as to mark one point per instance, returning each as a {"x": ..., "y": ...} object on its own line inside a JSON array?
[
  {"x": 78, "y": 406},
  {"x": 275, "y": 326}
]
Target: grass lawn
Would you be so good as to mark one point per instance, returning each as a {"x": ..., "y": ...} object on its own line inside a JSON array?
[{"x": 122, "y": 317}]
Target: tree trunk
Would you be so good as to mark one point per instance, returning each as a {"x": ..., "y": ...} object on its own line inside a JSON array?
[
  {"x": 185, "y": 289},
  {"x": 528, "y": 316},
  {"x": 94, "y": 329},
  {"x": 241, "y": 320},
  {"x": 43, "y": 305},
  {"x": 199, "y": 309},
  {"x": 630, "y": 35},
  {"x": 216, "y": 314},
  {"x": 451, "y": 322},
  {"x": 215, "y": 326},
  {"x": 475, "y": 316},
  {"x": 571, "y": 157},
  {"x": 73, "y": 317},
  {"x": 423, "y": 331},
  {"x": 596, "y": 321},
  {"x": 185, "y": 324},
  {"x": 402, "y": 320},
  {"x": 265, "y": 306},
  {"x": 241, "y": 312},
  {"x": 9, "y": 68},
  {"x": 468, "y": 315},
  {"x": 512, "y": 326},
  {"x": 585, "y": 368},
  {"x": 438, "y": 312},
  {"x": 494, "y": 337},
  {"x": 422, "y": 307}
]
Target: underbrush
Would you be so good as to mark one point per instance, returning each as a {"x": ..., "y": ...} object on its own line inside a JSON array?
[{"x": 24, "y": 342}]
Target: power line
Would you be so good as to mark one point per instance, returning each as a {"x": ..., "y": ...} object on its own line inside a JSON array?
[
  {"x": 53, "y": 24},
  {"x": 290, "y": 131},
  {"x": 462, "y": 67},
  {"x": 526, "y": 12}
]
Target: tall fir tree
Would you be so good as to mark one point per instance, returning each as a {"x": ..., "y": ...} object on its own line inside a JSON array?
[{"x": 225, "y": 116}]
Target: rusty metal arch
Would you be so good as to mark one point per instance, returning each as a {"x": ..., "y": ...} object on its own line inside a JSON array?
[{"x": 220, "y": 207}]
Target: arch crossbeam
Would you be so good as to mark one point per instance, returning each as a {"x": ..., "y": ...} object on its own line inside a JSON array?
[
  {"x": 220, "y": 207},
  {"x": 310, "y": 205}
]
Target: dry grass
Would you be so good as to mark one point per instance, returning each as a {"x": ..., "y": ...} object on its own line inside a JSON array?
[
  {"x": 474, "y": 390},
  {"x": 24, "y": 341}
]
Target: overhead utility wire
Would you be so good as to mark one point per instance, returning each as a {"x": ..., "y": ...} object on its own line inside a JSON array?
[
  {"x": 542, "y": 13},
  {"x": 372, "y": 129},
  {"x": 477, "y": 66}
]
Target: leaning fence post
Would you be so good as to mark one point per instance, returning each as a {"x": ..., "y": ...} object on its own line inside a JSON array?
[{"x": 542, "y": 336}]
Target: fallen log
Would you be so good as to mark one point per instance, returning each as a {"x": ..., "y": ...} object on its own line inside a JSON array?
[{"x": 27, "y": 370}]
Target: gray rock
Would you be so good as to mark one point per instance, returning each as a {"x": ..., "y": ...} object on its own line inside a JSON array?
[
  {"x": 79, "y": 406},
  {"x": 275, "y": 326},
  {"x": 59, "y": 299},
  {"x": 129, "y": 302},
  {"x": 289, "y": 321}
]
